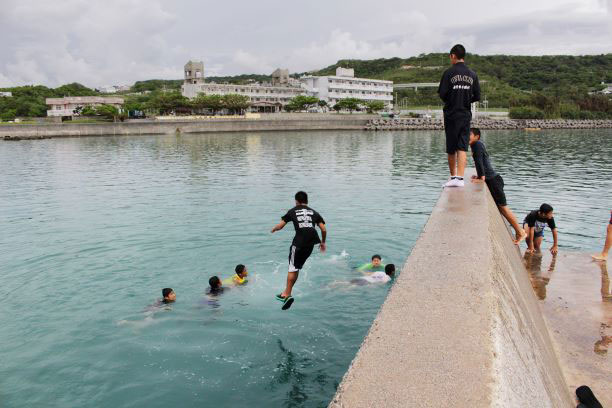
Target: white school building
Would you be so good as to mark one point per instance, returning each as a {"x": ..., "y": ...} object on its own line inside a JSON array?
[
  {"x": 264, "y": 97},
  {"x": 344, "y": 85}
]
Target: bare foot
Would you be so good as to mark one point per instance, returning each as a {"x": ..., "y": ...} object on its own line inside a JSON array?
[
  {"x": 599, "y": 257},
  {"x": 520, "y": 237}
]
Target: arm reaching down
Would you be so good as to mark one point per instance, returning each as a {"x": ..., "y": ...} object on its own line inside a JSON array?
[
  {"x": 323, "y": 245},
  {"x": 279, "y": 226},
  {"x": 555, "y": 248}
]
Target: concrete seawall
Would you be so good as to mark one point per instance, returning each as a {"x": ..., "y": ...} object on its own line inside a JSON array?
[
  {"x": 461, "y": 326},
  {"x": 266, "y": 123}
]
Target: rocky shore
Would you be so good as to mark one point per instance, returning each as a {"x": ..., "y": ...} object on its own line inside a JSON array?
[{"x": 437, "y": 124}]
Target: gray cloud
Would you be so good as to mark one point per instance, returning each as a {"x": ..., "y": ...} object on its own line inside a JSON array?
[{"x": 120, "y": 41}]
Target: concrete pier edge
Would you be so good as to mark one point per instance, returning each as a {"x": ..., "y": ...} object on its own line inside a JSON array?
[{"x": 461, "y": 326}]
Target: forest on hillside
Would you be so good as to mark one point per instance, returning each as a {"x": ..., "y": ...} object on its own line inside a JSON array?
[{"x": 530, "y": 86}]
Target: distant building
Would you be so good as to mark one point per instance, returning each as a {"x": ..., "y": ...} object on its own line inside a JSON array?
[
  {"x": 344, "y": 85},
  {"x": 194, "y": 72},
  {"x": 266, "y": 97},
  {"x": 607, "y": 90},
  {"x": 6, "y": 94},
  {"x": 111, "y": 89},
  {"x": 67, "y": 105},
  {"x": 280, "y": 77}
]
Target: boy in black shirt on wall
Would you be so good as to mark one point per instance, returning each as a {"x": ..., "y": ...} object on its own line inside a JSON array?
[
  {"x": 459, "y": 88},
  {"x": 306, "y": 237},
  {"x": 534, "y": 225},
  {"x": 494, "y": 181}
]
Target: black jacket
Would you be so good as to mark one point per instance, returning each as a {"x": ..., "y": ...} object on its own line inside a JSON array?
[{"x": 458, "y": 88}]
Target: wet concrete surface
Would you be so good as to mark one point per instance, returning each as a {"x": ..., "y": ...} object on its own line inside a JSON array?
[
  {"x": 575, "y": 297},
  {"x": 461, "y": 326}
]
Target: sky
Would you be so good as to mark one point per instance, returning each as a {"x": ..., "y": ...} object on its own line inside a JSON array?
[{"x": 116, "y": 42}]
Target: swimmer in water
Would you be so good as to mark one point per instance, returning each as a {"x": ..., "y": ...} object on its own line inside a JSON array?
[
  {"x": 168, "y": 295},
  {"x": 239, "y": 277},
  {"x": 216, "y": 286},
  {"x": 377, "y": 277},
  {"x": 374, "y": 266}
]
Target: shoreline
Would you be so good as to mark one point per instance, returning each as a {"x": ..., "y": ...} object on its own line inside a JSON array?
[
  {"x": 278, "y": 122},
  {"x": 489, "y": 124}
]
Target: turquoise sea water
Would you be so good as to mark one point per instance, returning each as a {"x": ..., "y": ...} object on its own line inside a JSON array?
[{"x": 93, "y": 228}]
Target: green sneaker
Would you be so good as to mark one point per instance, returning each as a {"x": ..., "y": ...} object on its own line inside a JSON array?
[{"x": 288, "y": 302}]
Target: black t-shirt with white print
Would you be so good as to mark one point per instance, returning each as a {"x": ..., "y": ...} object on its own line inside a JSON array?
[
  {"x": 304, "y": 221},
  {"x": 534, "y": 219}
]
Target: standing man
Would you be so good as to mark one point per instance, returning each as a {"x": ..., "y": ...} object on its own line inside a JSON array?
[
  {"x": 306, "y": 237},
  {"x": 459, "y": 88}
]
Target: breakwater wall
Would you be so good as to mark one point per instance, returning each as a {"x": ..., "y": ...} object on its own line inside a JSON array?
[
  {"x": 483, "y": 123},
  {"x": 461, "y": 326},
  {"x": 264, "y": 123}
]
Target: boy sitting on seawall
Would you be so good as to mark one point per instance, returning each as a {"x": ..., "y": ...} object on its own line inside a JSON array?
[
  {"x": 239, "y": 277},
  {"x": 376, "y": 277},
  {"x": 494, "y": 182},
  {"x": 534, "y": 225},
  {"x": 374, "y": 266}
]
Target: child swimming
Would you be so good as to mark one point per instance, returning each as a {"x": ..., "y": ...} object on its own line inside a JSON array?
[
  {"x": 377, "y": 277},
  {"x": 374, "y": 266},
  {"x": 239, "y": 277}
]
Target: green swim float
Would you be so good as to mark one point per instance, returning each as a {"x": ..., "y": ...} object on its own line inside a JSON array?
[{"x": 368, "y": 267}]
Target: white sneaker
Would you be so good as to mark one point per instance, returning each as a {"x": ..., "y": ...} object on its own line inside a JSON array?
[{"x": 455, "y": 182}]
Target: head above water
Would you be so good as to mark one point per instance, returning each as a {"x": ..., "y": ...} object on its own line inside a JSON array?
[
  {"x": 241, "y": 270},
  {"x": 546, "y": 211},
  {"x": 214, "y": 282},
  {"x": 474, "y": 135},
  {"x": 168, "y": 295},
  {"x": 301, "y": 197},
  {"x": 390, "y": 270},
  {"x": 376, "y": 260},
  {"x": 585, "y": 396},
  {"x": 457, "y": 53}
]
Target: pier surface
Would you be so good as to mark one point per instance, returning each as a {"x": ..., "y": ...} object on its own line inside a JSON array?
[{"x": 461, "y": 325}]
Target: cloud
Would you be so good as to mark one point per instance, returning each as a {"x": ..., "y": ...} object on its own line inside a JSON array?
[
  {"x": 116, "y": 42},
  {"x": 119, "y": 42},
  {"x": 244, "y": 61}
]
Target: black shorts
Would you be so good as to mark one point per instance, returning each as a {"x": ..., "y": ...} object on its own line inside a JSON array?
[
  {"x": 496, "y": 187},
  {"x": 298, "y": 257},
  {"x": 457, "y": 134}
]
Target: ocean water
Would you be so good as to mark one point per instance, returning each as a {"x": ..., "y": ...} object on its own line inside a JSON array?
[{"x": 93, "y": 228}]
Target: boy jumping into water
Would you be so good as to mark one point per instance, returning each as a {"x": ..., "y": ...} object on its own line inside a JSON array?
[
  {"x": 534, "y": 225},
  {"x": 458, "y": 89},
  {"x": 494, "y": 181},
  {"x": 306, "y": 237}
]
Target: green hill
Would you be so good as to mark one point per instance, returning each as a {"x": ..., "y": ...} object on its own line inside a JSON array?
[
  {"x": 510, "y": 80},
  {"x": 29, "y": 101},
  {"x": 175, "y": 84},
  {"x": 544, "y": 86}
]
